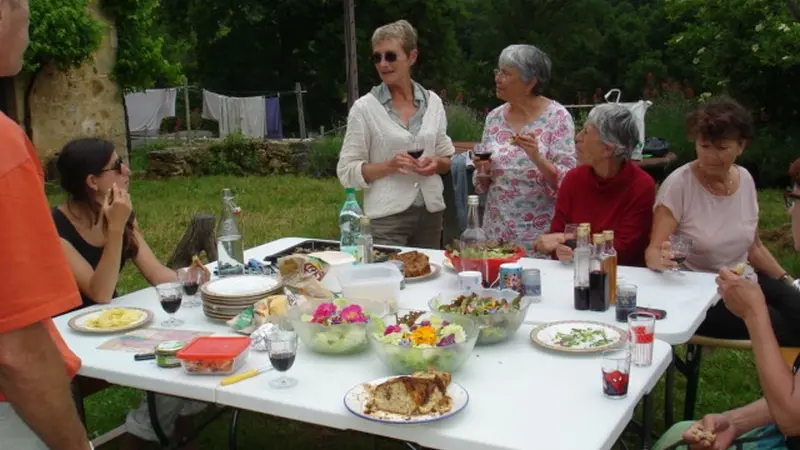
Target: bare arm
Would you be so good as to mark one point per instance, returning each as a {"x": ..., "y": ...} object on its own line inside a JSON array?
[
  {"x": 98, "y": 284},
  {"x": 762, "y": 260},
  {"x": 34, "y": 380},
  {"x": 149, "y": 265},
  {"x": 664, "y": 224},
  {"x": 749, "y": 417},
  {"x": 774, "y": 376}
]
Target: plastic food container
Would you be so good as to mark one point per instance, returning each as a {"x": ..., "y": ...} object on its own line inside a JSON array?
[
  {"x": 214, "y": 355},
  {"x": 376, "y": 282},
  {"x": 167, "y": 354}
]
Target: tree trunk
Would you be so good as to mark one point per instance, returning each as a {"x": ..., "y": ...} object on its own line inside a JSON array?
[
  {"x": 199, "y": 236},
  {"x": 794, "y": 7}
]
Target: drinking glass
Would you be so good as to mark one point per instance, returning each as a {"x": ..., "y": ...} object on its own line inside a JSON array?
[
  {"x": 483, "y": 153},
  {"x": 616, "y": 373},
  {"x": 282, "y": 349},
  {"x": 641, "y": 331},
  {"x": 170, "y": 295},
  {"x": 571, "y": 235},
  {"x": 680, "y": 247},
  {"x": 415, "y": 149},
  {"x": 626, "y": 301},
  {"x": 190, "y": 281}
]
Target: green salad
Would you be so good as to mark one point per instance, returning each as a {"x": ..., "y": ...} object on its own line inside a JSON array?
[{"x": 492, "y": 250}]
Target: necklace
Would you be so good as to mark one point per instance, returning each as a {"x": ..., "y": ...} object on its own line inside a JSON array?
[{"x": 726, "y": 185}]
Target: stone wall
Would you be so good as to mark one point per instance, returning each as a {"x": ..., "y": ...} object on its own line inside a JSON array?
[{"x": 80, "y": 102}]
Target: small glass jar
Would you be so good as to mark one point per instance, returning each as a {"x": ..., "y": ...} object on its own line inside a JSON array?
[{"x": 166, "y": 354}]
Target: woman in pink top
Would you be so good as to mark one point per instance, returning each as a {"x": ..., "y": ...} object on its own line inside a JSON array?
[{"x": 713, "y": 201}]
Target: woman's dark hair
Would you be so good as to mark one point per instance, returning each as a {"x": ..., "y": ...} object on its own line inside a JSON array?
[
  {"x": 76, "y": 161},
  {"x": 721, "y": 118}
]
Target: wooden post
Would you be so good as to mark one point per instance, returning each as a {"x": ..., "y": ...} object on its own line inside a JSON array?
[
  {"x": 188, "y": 113},
  {"x": 350, "y": 49},
  {"x": 301, "y": 117}
]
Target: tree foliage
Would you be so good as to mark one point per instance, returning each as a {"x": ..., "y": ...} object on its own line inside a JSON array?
[{"x": 62, "y": 33}]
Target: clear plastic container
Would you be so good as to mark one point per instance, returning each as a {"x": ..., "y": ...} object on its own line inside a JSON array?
[
  {"x": 215, "y": 355},
  {"x": 376, "y": 282}
]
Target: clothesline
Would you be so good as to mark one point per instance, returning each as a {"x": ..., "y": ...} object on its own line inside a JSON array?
[{"x": 240, "y": 93}]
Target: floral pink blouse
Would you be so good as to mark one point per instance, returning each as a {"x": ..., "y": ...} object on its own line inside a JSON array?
[{"x": 520, "y": 203}]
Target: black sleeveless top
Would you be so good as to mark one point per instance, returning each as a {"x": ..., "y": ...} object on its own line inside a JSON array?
[{"x": 89, "y": 252}]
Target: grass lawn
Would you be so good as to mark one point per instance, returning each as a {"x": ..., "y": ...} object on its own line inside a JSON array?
[{"x": 300, "y": 206}]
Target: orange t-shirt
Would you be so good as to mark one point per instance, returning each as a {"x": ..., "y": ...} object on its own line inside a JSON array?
[{"x": 37, "y": 282}]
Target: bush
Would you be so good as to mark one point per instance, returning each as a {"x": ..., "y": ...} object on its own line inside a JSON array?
[
  {"x": 463, "y": 123},
  {"x": 324, "y": 155},
  {"x": 234, "y": 155}
]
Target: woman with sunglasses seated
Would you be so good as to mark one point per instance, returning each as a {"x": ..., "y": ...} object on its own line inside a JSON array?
[
  {"x": 531, "y": 142},
  {"x": 99, "y": 235},
  {"x": 396, "y": 146},
  {"x": 713, "y": 202},
  {"x": 606, "y": 190}
]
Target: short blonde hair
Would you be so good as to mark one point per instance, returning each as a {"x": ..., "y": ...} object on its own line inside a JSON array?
[{"x": 400, "y": 30}]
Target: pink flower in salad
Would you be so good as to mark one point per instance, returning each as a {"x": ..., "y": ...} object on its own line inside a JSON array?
[
  {"x": 353, "y": 314},
  {"x": 392, "y": 329},
  {"x": 324, "y": 311}
]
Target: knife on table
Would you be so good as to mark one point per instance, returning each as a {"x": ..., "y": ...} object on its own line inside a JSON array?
[{"x": 244, "y": 375}]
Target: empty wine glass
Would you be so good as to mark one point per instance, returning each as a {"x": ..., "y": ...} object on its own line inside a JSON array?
[
  {"x": 190, "y": 281},
  {"x": 170, "y": 295},
  {"x": 282, "y": 349},
  {"x": 680, "y": 247}
]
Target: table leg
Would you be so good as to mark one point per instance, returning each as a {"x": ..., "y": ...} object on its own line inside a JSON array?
[
  {"x": 694, "y": 354},
  {"x": 647, "y": 422},
  {"x": 154, "y": 422},
  {"x": 232, "y": 430},
  {"x": 411, "y": 446},
  {"x": 77, "y": 395},
  {"x": 669, "y": 393}
]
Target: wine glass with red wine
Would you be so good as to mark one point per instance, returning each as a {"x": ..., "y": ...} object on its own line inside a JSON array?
[
  {"x": 482, "y": 153},
  {"x": 282, "y": 349},
  {"x": 170, "y": 295},
  {"x": 190, "y": 281},
  {"x": 680, "y": 247},
  {"x": 571, "y": 235}
]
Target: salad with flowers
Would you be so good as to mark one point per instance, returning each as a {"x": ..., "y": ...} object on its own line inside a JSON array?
[
  {"x": 334, "y": 327},
  {"x": 498, "y": 313},
  {"x": 418, "y": 341}
]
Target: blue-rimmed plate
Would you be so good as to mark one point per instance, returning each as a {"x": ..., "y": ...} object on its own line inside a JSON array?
[{"x": 356, "y": 399}]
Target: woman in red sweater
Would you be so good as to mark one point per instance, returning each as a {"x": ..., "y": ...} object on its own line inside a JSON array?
[{"x": 606, "y": 189}]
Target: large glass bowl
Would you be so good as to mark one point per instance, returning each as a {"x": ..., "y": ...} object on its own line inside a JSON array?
[
  {"x": 340, "y": 339},
  {"x": 406, "y": 360},
  {"x": 494, "y": 327}
]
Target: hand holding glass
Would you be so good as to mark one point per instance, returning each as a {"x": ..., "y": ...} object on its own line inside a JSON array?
[{"x": 680, "y": 247}]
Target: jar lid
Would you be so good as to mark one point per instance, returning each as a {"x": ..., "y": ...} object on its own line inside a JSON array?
[{"x": 170, "y": 346}]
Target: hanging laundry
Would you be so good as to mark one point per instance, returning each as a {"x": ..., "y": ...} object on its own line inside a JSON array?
[
  {"x": 274, "y": 124},
  {"x": 147, "y": 109},
  {"x": 236, "y": 114},
  {"x": 211, "y": 105}
]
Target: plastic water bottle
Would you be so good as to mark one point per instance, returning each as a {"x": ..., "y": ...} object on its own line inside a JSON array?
[
  {"x": 350, "y": 224},
  {"x": 230, "y": 248}
]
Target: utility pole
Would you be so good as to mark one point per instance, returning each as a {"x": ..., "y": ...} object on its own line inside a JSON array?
[{"x": 350, "y": 50}]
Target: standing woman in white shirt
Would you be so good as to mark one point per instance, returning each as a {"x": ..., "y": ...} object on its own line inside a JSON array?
[{"x": 403, "y": 195}]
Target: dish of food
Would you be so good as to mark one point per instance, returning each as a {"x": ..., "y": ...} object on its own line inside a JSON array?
[
  {"x": 415, "y": 264},
  {"x": 337, "y": 327},
  {"x": 241, "y": 286},
  {"x": 578, "y": 336},
  {"x": 418, "y": 398},
  {"x": 111, "y": 319},
  {"x": 498, "y": 313},
  {"x": 493, "y": 250}
]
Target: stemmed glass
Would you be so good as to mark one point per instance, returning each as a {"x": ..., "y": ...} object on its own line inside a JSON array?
[
  {"x": 571, "y": 235},
  {"x": 415, "y": 150},
  {"x": 170, "y": 295},
  {"x": 680, "y": 247},
  {"x": 483, "y": 153},
  {"x": 190, "y": 281},
  {"x": 282, "y": 349}
]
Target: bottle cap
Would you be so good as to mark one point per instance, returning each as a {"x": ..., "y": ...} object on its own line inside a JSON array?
[
  {"x": 473, "y": 200},
  {"x": 597, "y": 238},
  {"x": 608, "y": 235},
  {"x": 364, "y": 220},
  {"x": 583, "y": 231}
]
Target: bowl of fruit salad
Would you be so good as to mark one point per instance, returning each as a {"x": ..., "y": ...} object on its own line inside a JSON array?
[
  {"x": 495, "y": 254},
  {"x": 498, "y": 313}
]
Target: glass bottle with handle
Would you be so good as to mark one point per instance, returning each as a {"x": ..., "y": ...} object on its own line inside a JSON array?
[
  {"x": 473, "y": 244},
  {"x": 230, "y": 247}
]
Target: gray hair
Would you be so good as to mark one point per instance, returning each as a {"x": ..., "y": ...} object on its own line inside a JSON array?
[
  {"x": 400, "y": 30},
  {"x": 531, "y": 62},
  {"x": 617, "y": 127}
]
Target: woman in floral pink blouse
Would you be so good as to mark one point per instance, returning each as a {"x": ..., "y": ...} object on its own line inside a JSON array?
[{"x": 531, "y": 139}]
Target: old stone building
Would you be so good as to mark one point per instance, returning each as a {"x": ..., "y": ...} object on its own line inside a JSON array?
[{"x": 76, "y": 103}]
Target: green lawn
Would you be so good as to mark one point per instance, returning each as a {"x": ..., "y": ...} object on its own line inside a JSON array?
[{"x": 299, "y": 206}]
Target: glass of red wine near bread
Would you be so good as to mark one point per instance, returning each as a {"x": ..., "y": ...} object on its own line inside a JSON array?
[
  {"x": 170, "y": 295},
  {"x": 680, "y": 247}
]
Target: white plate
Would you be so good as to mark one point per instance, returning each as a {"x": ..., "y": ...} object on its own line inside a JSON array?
[
  {"x": 334, "y": 258},
  {"x": 241, "y": 285},
  {"x": 357, "y": 397},
  {"x": 544, "y": 335},
  {"x": 435, "y": 269},
  {"x": 448, "y": 264},
  {"x": 78, "y": 323}
]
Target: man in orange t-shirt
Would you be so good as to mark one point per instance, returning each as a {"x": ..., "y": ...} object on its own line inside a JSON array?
[{"x": 36, "y": 406}]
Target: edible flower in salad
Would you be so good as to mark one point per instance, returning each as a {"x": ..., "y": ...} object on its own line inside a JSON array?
[
  {"x": 335, "y": 313},
  {"x": 432, "y": 332}
]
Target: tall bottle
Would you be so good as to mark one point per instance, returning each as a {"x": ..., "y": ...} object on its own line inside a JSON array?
[
  {"x": 349, "y": 224},
  {"x": 598, "y": 279},
  {"x": 610, "y": 263},
  {"x": 364, "y": 241},
  {"x": 230, "y": 248},
  {"x": 582, "y": 256},
  {"x": 473, "y": 244}
]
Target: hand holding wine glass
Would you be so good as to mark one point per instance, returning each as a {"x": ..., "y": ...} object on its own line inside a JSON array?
[
  {"x": 482, "y": 158},
  {"x": 679, "y": 248}
]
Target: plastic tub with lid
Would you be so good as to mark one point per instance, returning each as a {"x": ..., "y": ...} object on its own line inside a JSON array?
[
  {"x": 214, "y": 355},
  {"x": 376, "y": 282}
]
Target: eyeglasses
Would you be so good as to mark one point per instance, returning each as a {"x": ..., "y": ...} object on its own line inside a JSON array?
[
  {"x": 789, "y": 197},
  {"x": 390, "y": 57},
  {"x": 117, "y": 167},
  {"x": 501, "y": 73}
]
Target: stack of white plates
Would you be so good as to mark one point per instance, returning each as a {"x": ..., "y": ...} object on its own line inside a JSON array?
[{"x": 226, "y": 297}]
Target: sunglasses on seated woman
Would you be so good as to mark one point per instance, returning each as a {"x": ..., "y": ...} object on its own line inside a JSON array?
[
  {"x": 117, "y": 167},
  {"x": 388, "y": 56}
]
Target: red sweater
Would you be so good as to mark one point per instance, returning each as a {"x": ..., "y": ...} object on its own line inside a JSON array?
[{"x": 623, "y": 204}]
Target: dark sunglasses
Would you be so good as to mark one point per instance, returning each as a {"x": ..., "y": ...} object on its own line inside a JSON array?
[
  {"x": 117, "y": 167},
  {"x": 789, "y": 198},
  {"x": 388, "y": 56}
]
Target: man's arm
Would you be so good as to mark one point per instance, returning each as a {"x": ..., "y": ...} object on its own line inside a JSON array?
[{"x": 34, "y": 380}]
